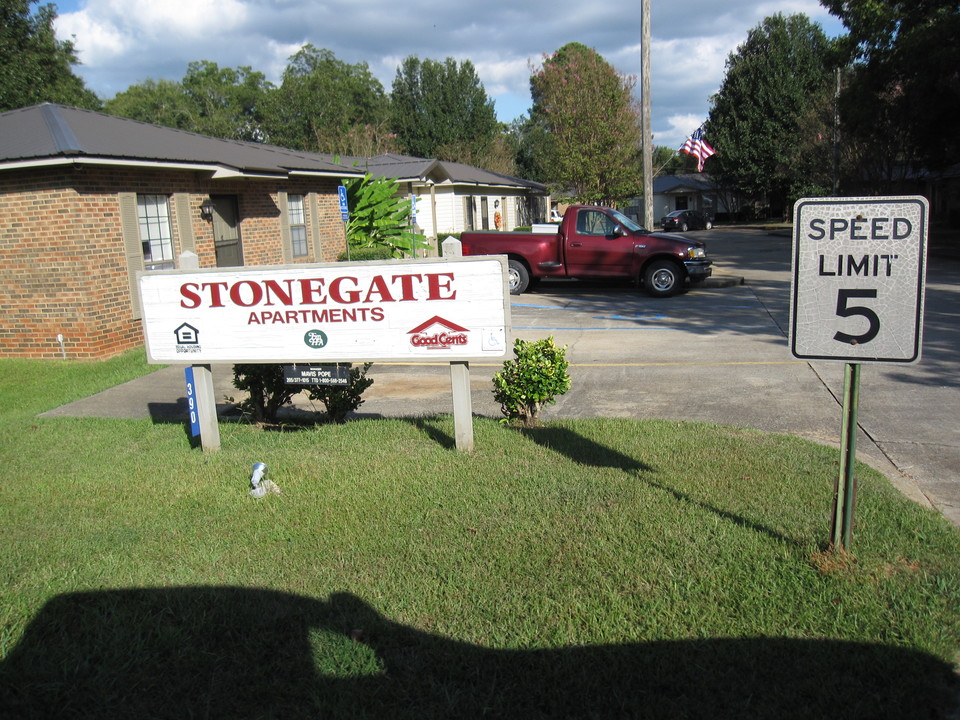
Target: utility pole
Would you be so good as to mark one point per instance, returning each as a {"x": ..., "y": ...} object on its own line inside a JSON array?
[
  {"x": 645, "y": 113},
  {"x": 836, "y": 137}
]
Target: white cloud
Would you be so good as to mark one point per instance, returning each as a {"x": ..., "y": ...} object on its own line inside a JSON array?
[
  {"x": 509, "y": 76},
  {"x": 97, "y": 42},
  {"x": 691, "y": 62},
  {"x": 105, "y": 29},
  {"x": 176, "y": 19},
  {"x": 679, "y": 127}
]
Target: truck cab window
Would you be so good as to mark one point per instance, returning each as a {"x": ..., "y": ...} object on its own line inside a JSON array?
[{"x": 592, "y": 222}]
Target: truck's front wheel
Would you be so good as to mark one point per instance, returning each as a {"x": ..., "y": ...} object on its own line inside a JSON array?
[
  {"x": 518, "y": 279},
  {"x": 663, "y": 278}
]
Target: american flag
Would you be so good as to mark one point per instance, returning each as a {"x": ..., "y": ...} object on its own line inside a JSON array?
[{"x": 698, "y": 147}]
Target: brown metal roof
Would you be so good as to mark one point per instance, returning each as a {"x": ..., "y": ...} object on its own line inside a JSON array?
[
  {"x": 405, "y": 167},
  {"x": 48, "y": 132}
]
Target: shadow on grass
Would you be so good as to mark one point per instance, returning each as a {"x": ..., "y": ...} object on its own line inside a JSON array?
[
  {"x": 430, "y": 425},
  {"x": 582, "y": 450},
  {"x": 588, "y": 452},
  {"x": 244, "y": 653}
]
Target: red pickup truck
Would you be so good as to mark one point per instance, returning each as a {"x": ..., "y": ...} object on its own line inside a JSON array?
[{"x": 596, "y": 242}]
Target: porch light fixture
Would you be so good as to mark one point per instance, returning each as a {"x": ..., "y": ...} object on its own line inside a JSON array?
[{"x": 206, "y": 210}]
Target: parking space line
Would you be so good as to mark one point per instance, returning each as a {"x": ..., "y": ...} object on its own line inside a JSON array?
[
  {"x": 639, "y": 364},
  {"x": 693, "y": 364},
  {"x": 712, "y": 328}
]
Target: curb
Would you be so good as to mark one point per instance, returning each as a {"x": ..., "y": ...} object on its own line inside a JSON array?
[{"x": 722, "y": 281}]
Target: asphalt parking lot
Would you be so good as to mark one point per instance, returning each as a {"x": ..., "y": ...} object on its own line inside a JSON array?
[{"x": 717, "y": 354}]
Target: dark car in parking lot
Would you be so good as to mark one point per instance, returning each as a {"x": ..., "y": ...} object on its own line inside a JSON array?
[{"x": 684, "y": 220}]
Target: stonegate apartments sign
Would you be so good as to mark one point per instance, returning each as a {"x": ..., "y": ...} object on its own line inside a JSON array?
[{"x": 406, "y": 311}]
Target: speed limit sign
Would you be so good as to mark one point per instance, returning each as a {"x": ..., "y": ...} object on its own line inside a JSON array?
[{"x": 858, "y": 279}]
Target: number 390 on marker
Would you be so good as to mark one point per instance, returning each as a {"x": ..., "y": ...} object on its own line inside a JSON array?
[{"x": 858, "y": 279}]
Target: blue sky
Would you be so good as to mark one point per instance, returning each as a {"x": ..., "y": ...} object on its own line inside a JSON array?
[{"x": 123, "y": 42}]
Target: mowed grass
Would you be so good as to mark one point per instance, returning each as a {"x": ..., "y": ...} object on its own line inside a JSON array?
[{"x": 589, "y": 568}]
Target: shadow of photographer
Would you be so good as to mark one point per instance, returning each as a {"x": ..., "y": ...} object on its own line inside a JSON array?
[{"x": 242, "y": 653}]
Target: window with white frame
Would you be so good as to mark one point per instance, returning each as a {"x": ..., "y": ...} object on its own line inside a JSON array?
[
  {"x": 153, "y": 214},
  {"x": 298, "y": 226}
]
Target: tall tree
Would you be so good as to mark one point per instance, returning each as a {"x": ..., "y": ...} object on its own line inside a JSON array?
[
  {"x": 320, "y": 99},
  {"x": 527, "y": 138},
  {"x": 591, "y": 126},
  {"x": 161, "y": 102},
  {"x": 667, "y": 161},
  {"x": 36, "y": 67},
  {"x": 908, "y": 74},
  {"x": 877, "y": 146},
  {"x": 220, "y": 102},
  {"x": 440, "y": 110},
  {"x": 229, "y": 102},
  {"x": 756, "y": 121}
]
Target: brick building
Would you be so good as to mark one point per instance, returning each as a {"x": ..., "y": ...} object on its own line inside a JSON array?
[{"x": 88, "y": 200}]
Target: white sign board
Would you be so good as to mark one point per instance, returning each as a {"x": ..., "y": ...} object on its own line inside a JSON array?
[
  {"x": 858, "y": 279},
  {"x": 406, "y": 311}
]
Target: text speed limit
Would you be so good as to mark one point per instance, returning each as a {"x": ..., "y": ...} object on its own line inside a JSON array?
[{"x": 858, "y": 274}]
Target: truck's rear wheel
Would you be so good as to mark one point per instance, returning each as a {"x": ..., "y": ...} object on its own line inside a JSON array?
[
  {"x": 663, "y": 278},
  {"x": 518, "y": 279}
]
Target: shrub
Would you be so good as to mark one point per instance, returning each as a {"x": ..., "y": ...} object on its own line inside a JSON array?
[
  {"x": 364, "y": 254},
  {"x": 536, "y": 375},
  {"x": 267, "y": 390},
  {"x": 338, "y": 400}
]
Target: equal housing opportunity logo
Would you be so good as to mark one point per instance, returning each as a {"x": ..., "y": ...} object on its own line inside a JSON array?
[
  {"x": 188, "y": 339},
  {"x": 438, "y": 334}
]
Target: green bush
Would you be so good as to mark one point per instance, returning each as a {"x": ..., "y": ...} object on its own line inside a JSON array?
[
  {"x": 364, "y": 254},
  {"x": 267, "y": 390},
  {"x": 340, "y": 400},
  {"x": 531, "y": 380}
]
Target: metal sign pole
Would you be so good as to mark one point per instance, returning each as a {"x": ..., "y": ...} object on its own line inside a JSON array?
[
  {"x": 344, "y": 215},
  {"x": 206, "y": 408},
  {"x": 841, "y": 536}
]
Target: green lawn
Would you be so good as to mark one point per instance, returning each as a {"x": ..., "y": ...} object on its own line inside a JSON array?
[{"x": 589, "y": 568}]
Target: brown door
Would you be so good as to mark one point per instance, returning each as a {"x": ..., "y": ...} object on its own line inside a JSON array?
[{"x": 226, "y": 231}]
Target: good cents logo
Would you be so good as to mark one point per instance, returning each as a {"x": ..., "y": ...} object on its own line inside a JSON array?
[{"x": 438, "y": 334}]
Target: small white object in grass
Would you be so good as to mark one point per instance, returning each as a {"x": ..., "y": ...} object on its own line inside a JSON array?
[{"x": 260, "y": 484}]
